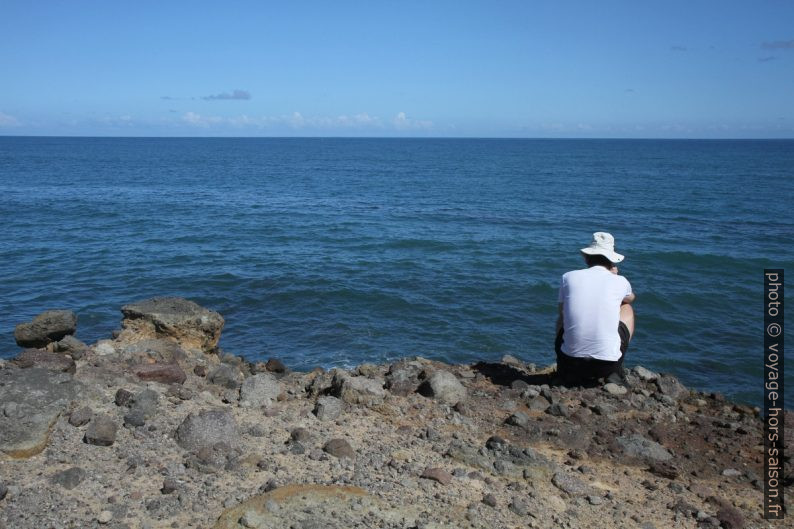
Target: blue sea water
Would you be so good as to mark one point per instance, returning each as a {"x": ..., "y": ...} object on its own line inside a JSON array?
[{"x": 340, "y": 251}]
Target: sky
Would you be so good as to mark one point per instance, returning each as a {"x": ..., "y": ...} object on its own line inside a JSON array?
[{"x": 548, "y": 69}]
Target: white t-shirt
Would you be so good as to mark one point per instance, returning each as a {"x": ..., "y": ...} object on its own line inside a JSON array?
[{"x": 591, "y": 301}]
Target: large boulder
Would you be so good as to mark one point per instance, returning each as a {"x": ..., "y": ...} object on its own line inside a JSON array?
[
  {"x": 357, "y": 390},
  {"x": 47, "y": 327},
  {"x": 444, "y": 387},
  {"x": 189, "y": 324},
  {"x": 31, "y": 401},
  {"x": 206, "y": 429}
]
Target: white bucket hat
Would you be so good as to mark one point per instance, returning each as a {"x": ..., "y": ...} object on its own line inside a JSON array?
[{"x": 603, "y": 244}]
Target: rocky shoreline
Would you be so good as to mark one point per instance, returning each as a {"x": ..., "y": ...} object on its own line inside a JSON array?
[{"x": 156, "y": 427}]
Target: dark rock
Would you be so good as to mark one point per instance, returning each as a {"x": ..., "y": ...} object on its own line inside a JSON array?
[
  {"x": 571, "y": 485},
  {"x": 226, "y": 376},
  {"x": 206, "y": 428},
  {"x": 124, "y": 397},
  {"x": 47, "y": 327},
  {"x": 730, "y": 518},
  {"x": 519, "y": 419},
  {"x": 39, "y": 396},
  {"x": 45, "y": 359},
  {"x": 663, "y": 469},
  {"x": 200, "y": 371},
  {"x": 169, "y": 485},
  {"x": 135, "y": 418},
  {"x": 490, "y": 500},
  {"x": 444, "y": 387},
  {"x": 684, "y": 507},
  {"x": 3, "y": 491},
  {"x": 260, "y": 390},
  {"x": 437, "y": 474},
  {"x": 101, "y": 431},
  {"x": 327, "y": 408},
  {"x": 402, "y": 378},
  {"x": 274, "y": 365},
  {"x": 300, "y": 434},
  {"x": 558, "y": 409},
  {"x": 339, "y": 448},
  {"x": 69, "y": 478},
  {"x": 638, "y": 446},
  {"x": 191, "y": 325},
  {"x": 495, "y": 443},
  {"x": 163, "y": 373},
  {"x": 81, "y": 416}
]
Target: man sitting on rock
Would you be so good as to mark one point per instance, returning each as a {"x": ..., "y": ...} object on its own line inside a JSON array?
[{"x": 596, "y": 320}]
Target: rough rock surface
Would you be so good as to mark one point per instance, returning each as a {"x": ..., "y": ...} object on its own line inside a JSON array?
[
  {"x": 206, "y": 428},
  {"x": 189, "y": 324},
  {"x": 32, "y": 400},
  {"x": 47, "y": 327},
  {"x": 520, "y": 451},
  {"x": 357, "y": 390},
  {"x": 260, "y": 390},
  {"x": 445, "y": 387},
  {"x": 165, "y": 373},
  {"x": 46, "y": 360}
]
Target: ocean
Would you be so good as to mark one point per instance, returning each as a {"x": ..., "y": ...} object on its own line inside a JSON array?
[{"x": 334, "y": 252}]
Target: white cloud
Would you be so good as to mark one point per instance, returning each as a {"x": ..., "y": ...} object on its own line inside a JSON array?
[
  {"x": 8, "y": 121},
  {"x": 296, "y": 120},
  {"x": 403, "y": 122}
]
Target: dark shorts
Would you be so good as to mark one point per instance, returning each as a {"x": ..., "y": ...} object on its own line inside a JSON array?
[{"x": 581, "y": 369}]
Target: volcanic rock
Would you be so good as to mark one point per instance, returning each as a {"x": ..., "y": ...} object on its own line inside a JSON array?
[
  {"x": 189, "y": 324},
  {"x": 327, "y": 408},
  {"x": 339, "y": 448},
  {"x": 206, "y": 428},
  {"x": 101, "y": 431},
  {"x": 45, "y": 359},
  {"x": 444, "y": 387},
  {"x": 47, "y": 327},
  {"x": 40, "y": 396},
  {"x": 259, "y": 390},
  {"x": 357, "y": 390},
  {"x": 163, "y": 373}
]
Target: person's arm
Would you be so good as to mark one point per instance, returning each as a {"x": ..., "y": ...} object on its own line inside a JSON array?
[{"x": 628, "y": 299}]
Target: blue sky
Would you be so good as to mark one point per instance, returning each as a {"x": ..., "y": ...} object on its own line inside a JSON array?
[{"x": 666, "y": 69}]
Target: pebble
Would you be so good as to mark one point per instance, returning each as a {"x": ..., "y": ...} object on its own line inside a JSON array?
[
  {"x": 101, "y": 431},
  {"x": 3, "y": 491},
  {"x": 69, "y": 478},
  {"x": 490, "y": 500},
  {"x": 81, "y": 416},
  {"x": 105, "y": 517},
  {"x": 595, "y": 500}
]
